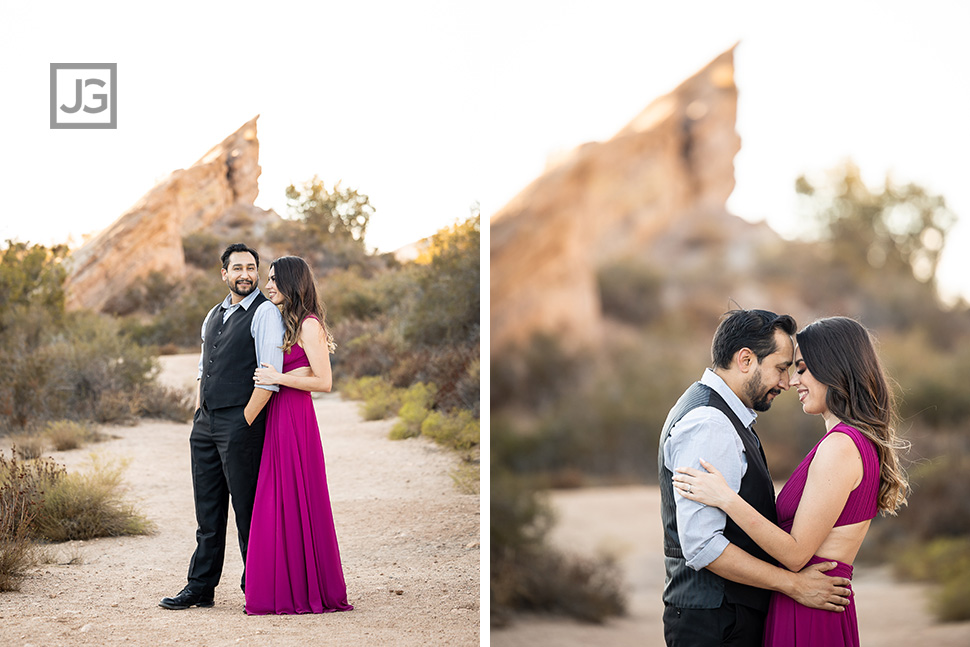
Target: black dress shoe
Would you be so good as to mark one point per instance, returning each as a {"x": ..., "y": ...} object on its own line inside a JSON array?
[{"x": 187, "y": 598}]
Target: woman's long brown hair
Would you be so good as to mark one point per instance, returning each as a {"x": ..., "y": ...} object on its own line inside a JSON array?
[
  {"x": 840, "y": 354},
  {"x": 294, "y": 281}
]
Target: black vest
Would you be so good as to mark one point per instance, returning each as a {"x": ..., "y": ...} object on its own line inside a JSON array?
[
  {"x": 229, "y": 357},
  {"x": 684, "y": 587}
]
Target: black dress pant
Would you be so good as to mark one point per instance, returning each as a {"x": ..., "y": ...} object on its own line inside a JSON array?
[
  {"x": 731, "y": 624},
  {"x": 225, "y": 463}
]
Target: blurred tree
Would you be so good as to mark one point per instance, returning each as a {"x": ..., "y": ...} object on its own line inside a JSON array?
[
  {"x": 899, "y": 227},
  {"x": 341, "y": 214}
]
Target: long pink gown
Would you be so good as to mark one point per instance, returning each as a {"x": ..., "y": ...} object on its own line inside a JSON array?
[
  {"x": 293, "y": 562},
  {"x": 789, "y": 624}
]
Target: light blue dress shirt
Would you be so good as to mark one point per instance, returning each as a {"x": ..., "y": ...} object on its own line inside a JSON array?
[
  {"x": 707, "y": 433},
  {"x": 267, "y": 330}
]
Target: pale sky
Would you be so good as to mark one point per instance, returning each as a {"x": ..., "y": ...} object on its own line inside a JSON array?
[
  {"x": 380, "y": 94},
  {"x": 884, "y": 83}
]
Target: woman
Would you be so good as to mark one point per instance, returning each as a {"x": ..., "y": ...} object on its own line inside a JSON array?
[
  {"x": 293, "y": 563},
  {"x": 826, "y": 506}
]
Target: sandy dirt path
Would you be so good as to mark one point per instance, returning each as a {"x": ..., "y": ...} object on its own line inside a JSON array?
[
  {"x": 625, "y": 522},
  {"x": 401, "y": 524}
]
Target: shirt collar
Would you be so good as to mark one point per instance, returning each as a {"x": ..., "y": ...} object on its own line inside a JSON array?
[
  {"x": 745, "y": 415},
  {"x": 245, "y": 303}
]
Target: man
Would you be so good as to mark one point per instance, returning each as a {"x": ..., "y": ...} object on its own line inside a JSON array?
[
  {"x": 718, "y": 580},
  {"x": 226, "y": 443}
]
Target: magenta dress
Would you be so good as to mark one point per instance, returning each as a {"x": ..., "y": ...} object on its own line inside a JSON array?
[
  {"x": 293, "y": 563},
  {"x": 789, "y": 624}
]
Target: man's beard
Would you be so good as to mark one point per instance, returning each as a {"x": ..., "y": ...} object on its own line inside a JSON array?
[
  {"x": 759, "y": 399},
  {"x": 234, "y": 287}
]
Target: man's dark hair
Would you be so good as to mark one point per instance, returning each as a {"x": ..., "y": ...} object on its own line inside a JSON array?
[
  {"x": 238, "y": 247},
  {"x": 754, "y": 329}
]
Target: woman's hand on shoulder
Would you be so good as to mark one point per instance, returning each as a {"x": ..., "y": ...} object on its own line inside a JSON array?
[{"x": 707, "y": 487}]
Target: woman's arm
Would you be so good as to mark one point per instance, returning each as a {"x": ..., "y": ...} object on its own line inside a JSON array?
[
  {"x": 835, "y": 471},
  {"x": 315, "y": 345}
]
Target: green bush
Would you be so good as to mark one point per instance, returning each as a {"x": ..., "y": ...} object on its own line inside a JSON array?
[
  {"x": 380, "y": 400},
  {"x": 447, "y": 307},
  {"x": 458, "y": 430},
  {"x": 416, "y": 404},
  {"x": 362, "y": 388}
]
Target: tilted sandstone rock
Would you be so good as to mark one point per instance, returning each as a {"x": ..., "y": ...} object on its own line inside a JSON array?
[
  {"x": 663, "y": 177},
  {"x": 148, "y": 237}
]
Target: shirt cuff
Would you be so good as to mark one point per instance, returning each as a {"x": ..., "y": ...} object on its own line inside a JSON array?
[
  {"x": 709, "y": 553},
  {"x": 268, "y": 387}
]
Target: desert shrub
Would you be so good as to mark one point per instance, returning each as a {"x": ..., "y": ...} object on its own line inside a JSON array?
[
  {"x": 459, "y": 430},
  {"x": 594, "y": 416},
  {"x": 945, "y": 561},
  {"x": 939, "y": 505},
  {"x": 380, "y": 399},
  {"x": 447, "y": 309},
  {"x": 23, "y": 487},
  {"x": 528, "y": 575},
  {"x": 930, "y": 378},
  {"x": 148, "y": 296},
  {"x": 203, "y": 250},
  {"x": 467, "y": 476},
  {"x": 381, "y": 405},
  {"x": 25, "y": 338},
  {"x": 16, "y": 556},
  {"x": 362, "y": 388},
  {"x": 88, "y": 505},
  {"x": 22, "y": 490},
  {"x": 64, "y": 435},
  {"x": 165, "y": 402},
  {"x": 31, "y": 276},
  {"x": 534, "y": 374},
  {"x": 416, "y": 404},
  {"x": 99, "y": 369},
  {"x": 630, "y": 291},
  {"x": 27, "y": 445},
  {"x": 364, "y": 348},
  {"x": 350, "y": 294},
  {"x": 178, "y": 318}
]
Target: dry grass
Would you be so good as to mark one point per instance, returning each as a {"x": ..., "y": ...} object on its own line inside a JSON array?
[
  {"x": 87, "y": 505},
  {"x": 26, "y": 445},
  {"x": 467, "y": 476},
  {"x": 64, "y": 435},
  {"x": 22, "y": 488}
]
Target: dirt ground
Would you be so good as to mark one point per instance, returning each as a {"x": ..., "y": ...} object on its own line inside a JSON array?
[
  {"x": 625, "y": 522},
  {"x": 409, "y": 542}
]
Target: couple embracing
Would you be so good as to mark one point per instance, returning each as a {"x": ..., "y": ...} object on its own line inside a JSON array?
[
  {"x": 255, "y": 440},
  {"x": 724, "y": 531}
]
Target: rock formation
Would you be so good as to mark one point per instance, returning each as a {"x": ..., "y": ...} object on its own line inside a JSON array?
[
  {"x": 664, "y": 177},
  {"x": 148, "y": 237}
]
